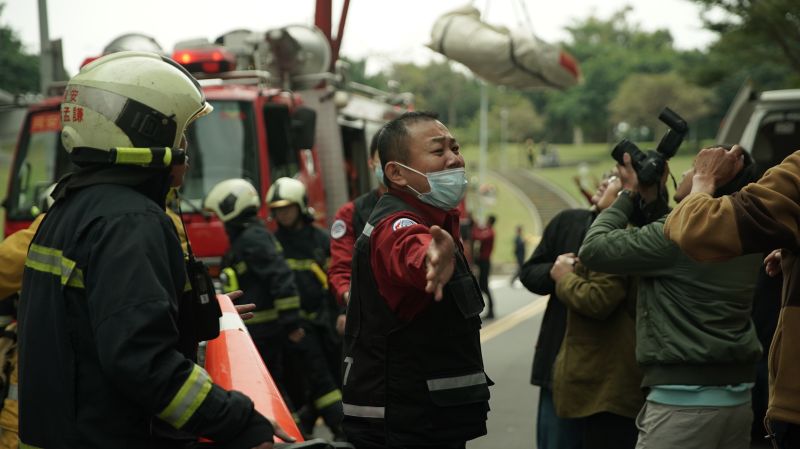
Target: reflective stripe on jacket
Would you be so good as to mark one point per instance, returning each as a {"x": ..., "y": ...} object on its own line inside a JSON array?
[{"x": 104, "y": 340}]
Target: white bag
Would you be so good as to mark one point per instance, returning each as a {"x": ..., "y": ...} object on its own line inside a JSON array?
[{"x": 500, "y": 56}]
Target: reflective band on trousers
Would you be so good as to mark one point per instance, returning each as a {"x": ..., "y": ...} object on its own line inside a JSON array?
[
  {"x": 52, "y": 261},
  {"x": 364, "y": 411},
  {"x": 328, "y": 399},
  {"x": 308, "y": 315},
  {"x": 448, "y": 383},
  {"x": 263, "y": 316},
  {"x": 188, "y": 399},
  {"x": 287, "y": 303}
]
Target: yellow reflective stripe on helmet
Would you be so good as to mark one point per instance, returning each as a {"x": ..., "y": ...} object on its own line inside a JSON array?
[
  {"x": 230, "y": 282},
  {"x": 134, "y": 156},
  {"x": 309, "y": 265},
  {"x": 287, "y": 303},
  {"x": 51, "y": 261},
  {"x": 328, "y": 399},
  {"x": 167, "y": 156},
  {"x": 188, "y": 398},
  {"x": 263, "y": 316}
]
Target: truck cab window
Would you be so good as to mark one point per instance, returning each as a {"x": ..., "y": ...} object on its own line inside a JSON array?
[{"x": 222, "y": 145}]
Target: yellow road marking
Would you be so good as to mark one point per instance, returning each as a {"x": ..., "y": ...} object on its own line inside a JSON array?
[{"x": 509, "y": 321}]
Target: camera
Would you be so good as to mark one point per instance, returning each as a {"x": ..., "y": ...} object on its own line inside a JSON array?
[{"x": 650, "y": 165}]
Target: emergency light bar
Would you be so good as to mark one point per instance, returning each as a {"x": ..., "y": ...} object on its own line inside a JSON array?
[{"x": 205, "y": 60}]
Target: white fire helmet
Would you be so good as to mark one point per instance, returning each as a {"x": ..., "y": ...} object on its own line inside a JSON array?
[
  {"x": 126, "y": 107},
  {"x": 232, "y": 197},
  {"x": 286, "y": 191}
]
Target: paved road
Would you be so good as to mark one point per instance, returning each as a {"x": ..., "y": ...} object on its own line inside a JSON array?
[{"x": 508, "y": 343}]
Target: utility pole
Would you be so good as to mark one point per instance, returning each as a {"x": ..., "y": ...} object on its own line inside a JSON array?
[
  {"x": 504, "y": 136},
  {"x": 46, "y": 56}
]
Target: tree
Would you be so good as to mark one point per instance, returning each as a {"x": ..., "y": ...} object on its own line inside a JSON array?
[
  {"x": 20, "y": 73},
  {"x": 609, "y": 51},
  {"x": 758, "y": 41},
  {"x": 752, "y": 23},
  {"x": 641, "y": 97},
  {"x": 439, "y": 88}
]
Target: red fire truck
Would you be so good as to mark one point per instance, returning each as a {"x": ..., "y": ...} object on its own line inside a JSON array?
[{"x": 281, "y": 108}]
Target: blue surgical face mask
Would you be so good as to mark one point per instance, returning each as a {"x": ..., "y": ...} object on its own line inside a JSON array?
[
  {"x": 447, "y": 187},
  {"x": 379, "y": 174}
]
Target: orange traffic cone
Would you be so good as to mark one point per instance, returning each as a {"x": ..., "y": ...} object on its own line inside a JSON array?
[{"x": 233, "y": 362}]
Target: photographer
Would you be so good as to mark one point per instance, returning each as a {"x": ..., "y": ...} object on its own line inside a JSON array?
[{"x": 694, "y": 339}]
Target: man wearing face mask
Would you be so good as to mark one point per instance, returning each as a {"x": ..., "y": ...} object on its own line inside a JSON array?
[
  {"x": 346, "y": 227},
  {"x": 413, "y": 369}
]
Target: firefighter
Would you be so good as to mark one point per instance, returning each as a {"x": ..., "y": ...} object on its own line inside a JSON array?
[
  {"x": 307, "y": 250},
  {"x": 347, "y": 226},
  {"x": 108, "y": 329},
  {"x": 13, "y": 251},
  {"x": 254, "y": 264},
  {"x": 413, "y": 369}
]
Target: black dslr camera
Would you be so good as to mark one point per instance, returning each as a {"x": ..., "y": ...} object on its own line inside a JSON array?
[{"x": 650, "y": 165}]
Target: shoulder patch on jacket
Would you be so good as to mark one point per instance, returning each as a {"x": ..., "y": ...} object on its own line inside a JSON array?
[
  {"x": 338, "y": 228},
  {"x": 402, "y": 223}
]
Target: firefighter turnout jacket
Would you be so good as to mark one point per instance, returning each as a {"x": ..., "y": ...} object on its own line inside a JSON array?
[
  {"x": 106, "y": 344},
  {"x": 255, "y": 265},
  {"x": 307, "y": 252},
  {"x": 419, "y": 377}
]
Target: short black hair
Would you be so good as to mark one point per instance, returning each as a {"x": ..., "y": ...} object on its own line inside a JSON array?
[
  {"x": 373, "y": 144},
  {"x": 492, "y": 219},
  {"x": 392, "y": 145}
]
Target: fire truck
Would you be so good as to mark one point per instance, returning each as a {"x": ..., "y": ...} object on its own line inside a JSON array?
[{"x": 281, "y": 108}]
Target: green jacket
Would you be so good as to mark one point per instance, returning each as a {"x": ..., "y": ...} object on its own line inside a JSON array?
[
  {"x": 596, "y": 369},
  {"x": 693, "y": 322}
]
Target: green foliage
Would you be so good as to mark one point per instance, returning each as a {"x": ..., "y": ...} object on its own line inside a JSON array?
[
  {"x": 439, "y": 88},
  {"x": 641, "y": 97},
  {"x": 752, "y": 24},
  {"x": 523, "y": 121},
  {"x": 759, "y": 41},
  {"x": 20, "y": 71},
  {"x": 628, "y": 75},
  {"x": 609, "y": 51}
]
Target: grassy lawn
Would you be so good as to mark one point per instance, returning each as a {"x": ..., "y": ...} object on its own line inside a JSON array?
[
  {"x": 590, "y": 161},
  {"x": 510, "y": 212}
]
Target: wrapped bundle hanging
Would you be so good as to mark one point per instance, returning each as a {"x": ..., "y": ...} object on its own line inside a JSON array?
[{"x": 508, "y": 58}]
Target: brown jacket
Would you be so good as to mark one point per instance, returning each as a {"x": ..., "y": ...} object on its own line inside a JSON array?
[
  {"x": 761, "y": 217},
  {"x": 596, "y": 369}
]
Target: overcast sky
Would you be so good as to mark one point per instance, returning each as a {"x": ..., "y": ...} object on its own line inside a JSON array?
[{"x": 383, "y": 30}]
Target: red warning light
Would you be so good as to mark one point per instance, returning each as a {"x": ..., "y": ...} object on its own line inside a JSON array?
[{"x": 205, "y": 60}]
